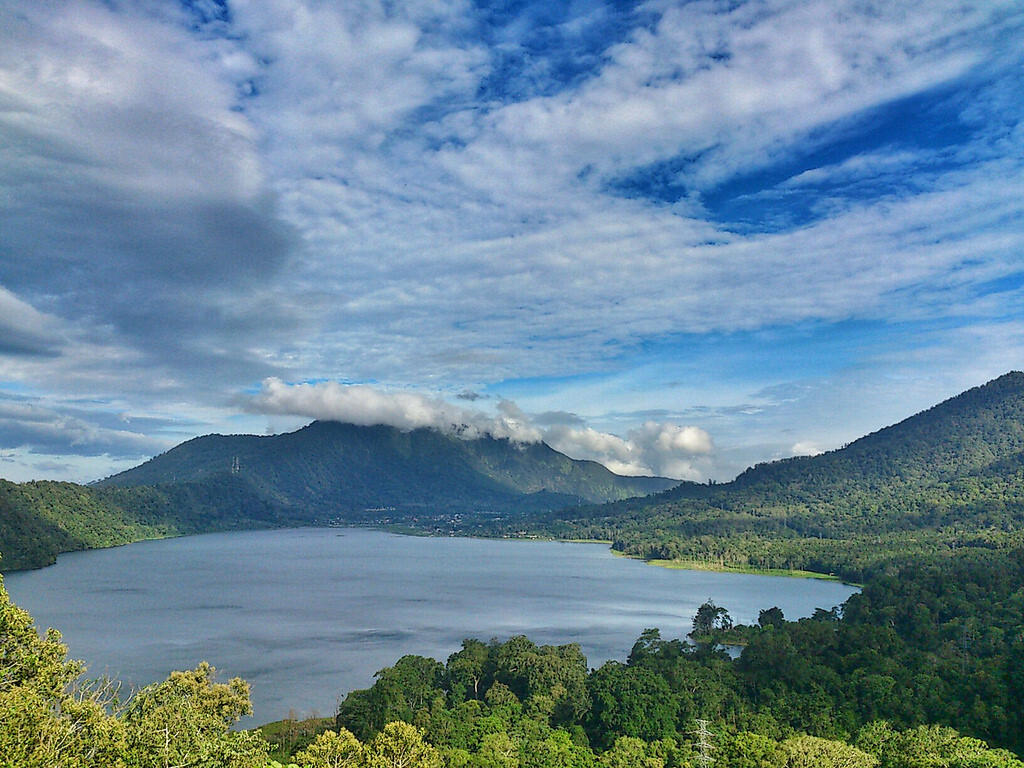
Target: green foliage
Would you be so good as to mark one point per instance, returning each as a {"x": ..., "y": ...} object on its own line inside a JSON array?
[
  {"x": 930, "y": 746},
  {"x": 710, "y": 619},
  {"x": 629, "y": 700},
  {"x": 288, "y": 736},
  {"x": 332, "y": 749},
  {"x": 812, "y": 752},
  {"x": 198, "y": 712},
  {"x": 39, "y": 520},
  {"x": 400, "y": 745}
]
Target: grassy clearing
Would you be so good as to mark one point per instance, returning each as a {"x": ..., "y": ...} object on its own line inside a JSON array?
[{"x": 703, "y": 565}]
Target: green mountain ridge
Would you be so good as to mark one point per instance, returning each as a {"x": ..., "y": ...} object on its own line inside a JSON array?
[
  {"x": 950, "y": 476},
  {"x": 331, "y": 467}
]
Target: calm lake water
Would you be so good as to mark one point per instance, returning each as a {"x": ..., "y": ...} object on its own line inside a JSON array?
[{"x": 307, "y": 615}]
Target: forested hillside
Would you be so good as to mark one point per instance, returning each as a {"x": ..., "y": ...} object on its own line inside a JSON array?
[
  {"x": 949, "y": 477},
  {"x": 339, "y": 468},
  {"x": 39, "y": 520}
]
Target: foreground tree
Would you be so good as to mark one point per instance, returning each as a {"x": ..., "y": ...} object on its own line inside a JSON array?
[
  {"x": 400, "y": 745},
  {"x": 710, "y": 617},
  {"x": 332, "y": 749}
]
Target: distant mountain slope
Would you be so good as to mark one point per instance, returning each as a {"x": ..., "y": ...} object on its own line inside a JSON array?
[
  {"x": 332, "y": 468},
  {"x": 952, "y": 472}
]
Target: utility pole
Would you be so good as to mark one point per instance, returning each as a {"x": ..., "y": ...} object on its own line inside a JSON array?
[{"x": 704, "y": 745}]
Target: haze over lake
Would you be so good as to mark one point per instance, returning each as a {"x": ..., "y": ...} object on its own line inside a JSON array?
[{"x": 306, "y": 615}]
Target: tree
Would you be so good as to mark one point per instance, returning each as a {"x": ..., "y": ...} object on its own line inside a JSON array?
[
  {"x": 465, "y": 670},
  {"x": 556, "y": 750},
  {"x": 710, "y": 617},
  {"x": 400, "y": 745},
  {"x": 929, "y": 746},
  {"x": 629, "y": 701},
  {"x": 749, "y": 750},
  {"x": 186, "y": 720},
  {"x": 812, "y": 752},
  {"x": 497, "y": 750},
  {"x": 46, "y": 721},
  {"x": 332, "y": 749},
  {"x": 629, "y": 752}
]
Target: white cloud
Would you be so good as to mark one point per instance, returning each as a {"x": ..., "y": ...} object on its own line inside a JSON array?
[
  {"x": 669, "y": 450},
  {"x": 48, "y": 430},
  {"x": 365, "y": 406},
  {"x": 25, "y": 330},
  {"x": 806, "y": 448}
]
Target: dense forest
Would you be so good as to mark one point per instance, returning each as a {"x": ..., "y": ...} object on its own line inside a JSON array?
[{"x": 41, "y": 519}]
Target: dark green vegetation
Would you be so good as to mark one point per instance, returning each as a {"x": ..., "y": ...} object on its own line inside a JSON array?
[
  {"x": 326, "y": 472},
  {"x": 949, "y": 478},
  {"x": 334, "y": 469}
]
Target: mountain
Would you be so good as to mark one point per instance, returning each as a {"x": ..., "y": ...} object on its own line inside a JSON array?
[
  {"x": 330, "y": 469},
  {"x": 950, "y": 476}
]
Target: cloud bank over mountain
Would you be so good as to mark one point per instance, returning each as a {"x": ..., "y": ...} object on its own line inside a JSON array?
[{"x": 667, "y": 450}]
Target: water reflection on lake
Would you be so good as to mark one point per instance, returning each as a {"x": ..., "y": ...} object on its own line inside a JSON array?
[{"x": 305, "y": 615}]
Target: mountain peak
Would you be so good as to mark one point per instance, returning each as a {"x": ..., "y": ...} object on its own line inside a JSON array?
[{"x": 338, "y": 467}]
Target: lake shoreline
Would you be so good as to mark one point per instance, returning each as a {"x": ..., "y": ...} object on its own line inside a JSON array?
[{"x": 404, "y": 530}]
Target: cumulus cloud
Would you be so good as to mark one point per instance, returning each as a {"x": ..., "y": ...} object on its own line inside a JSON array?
[
  {"x": 670, "y": 450},
  {"x": 806, "y": 448}
]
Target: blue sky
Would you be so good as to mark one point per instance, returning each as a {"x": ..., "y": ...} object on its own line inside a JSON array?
[{"x": 675, "y": 237}]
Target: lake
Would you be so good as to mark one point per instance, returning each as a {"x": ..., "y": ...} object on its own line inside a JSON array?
[{"x": 306, "y": 615}]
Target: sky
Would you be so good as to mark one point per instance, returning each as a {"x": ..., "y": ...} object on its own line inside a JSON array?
[{"x": 674, "y": 237}]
